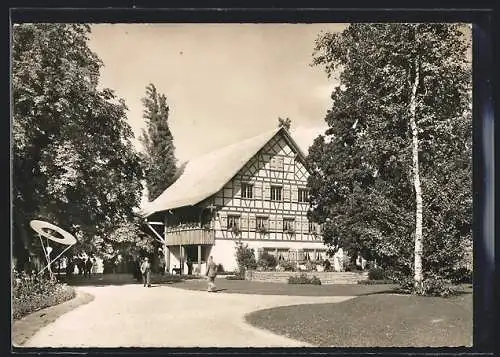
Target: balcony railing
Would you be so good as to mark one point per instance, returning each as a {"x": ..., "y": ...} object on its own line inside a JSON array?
[{"x": 186, "y": 235}]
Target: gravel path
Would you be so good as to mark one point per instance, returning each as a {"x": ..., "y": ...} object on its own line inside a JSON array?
[{"x": 165, "y": 316}]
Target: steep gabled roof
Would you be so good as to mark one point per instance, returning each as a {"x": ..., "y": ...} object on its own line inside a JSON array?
[{"x": 207, "y": 174}]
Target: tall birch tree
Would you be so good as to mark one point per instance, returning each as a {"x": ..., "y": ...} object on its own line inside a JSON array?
[{"x": 392, "y": 174}]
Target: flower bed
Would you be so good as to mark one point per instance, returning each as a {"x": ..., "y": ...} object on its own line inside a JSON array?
[
  {"x": 32, "y": 293},
  {"x": 304, "y": 279}
]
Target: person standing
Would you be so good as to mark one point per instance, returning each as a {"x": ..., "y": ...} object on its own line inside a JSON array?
[
  {"x": 146, "y": 272},
  {"x": 211, "y": 274},
  {"x": 88, "y": 267}
]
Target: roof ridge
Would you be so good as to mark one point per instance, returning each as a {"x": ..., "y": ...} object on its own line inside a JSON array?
[
  {"x": 193, "y": 185},
  {"x": 236, "y": 143}
]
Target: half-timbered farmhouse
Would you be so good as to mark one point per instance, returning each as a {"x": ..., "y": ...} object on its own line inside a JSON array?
[{"x": 253, "y": 191}]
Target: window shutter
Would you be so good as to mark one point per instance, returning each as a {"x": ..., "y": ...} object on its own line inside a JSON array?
[
  {"x": 305, "y": 226},
  {"x": 258, "y": 190},
  {"x": 272, "y": 223},
  {"x": 237, "y": 188},
  {"x": 244, "y": 222},
  {"x": 279, "y": 164},
  {"x": 251, "y": 222},
  {"x": 286, "y": 193},
  {"x": 223, "y": 220},
  {"x": 273, "y": 163},
  {"x": 295, "y": 194},
  {"x": 267, "y": 191},
  {"x": 279, "y": 225}
]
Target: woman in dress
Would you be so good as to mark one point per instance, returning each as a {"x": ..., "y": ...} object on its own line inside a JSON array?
[{"x": 211, "y": 274}]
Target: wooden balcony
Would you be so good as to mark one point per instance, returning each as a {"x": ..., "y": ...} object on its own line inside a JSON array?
[{"x": 190, "y": 235}]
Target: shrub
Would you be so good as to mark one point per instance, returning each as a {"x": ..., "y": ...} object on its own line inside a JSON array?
[
  {"x": 315, "y": 280},
  {"x": 288, "y": 266},
  {"x": 245, "y": 257},
  {"x": 220, "y": 268},
  {"x": 375, "y": 282},
  {"x": 31, "y": 293},
  {"x": 304, "y": 279},
  {"x": 327, "y": 265},
  {"x": 267, "y": 261},
  {"x": 377, "y": 274},
  {"x": 310, "y": 266},
  {"x": 461, "y": 275},
  {"x": 429, "y": 287}
]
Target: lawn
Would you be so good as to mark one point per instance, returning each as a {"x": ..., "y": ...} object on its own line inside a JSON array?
[
  {"x": 264, "y": 288},
  {"x": 377, "y": 320}
]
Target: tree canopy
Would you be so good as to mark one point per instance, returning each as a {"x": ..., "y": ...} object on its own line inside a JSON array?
[
  {"x": 73, "y": 161},
  {"x": 362, "y": 183},
  {"x": 159, "y": 151}
]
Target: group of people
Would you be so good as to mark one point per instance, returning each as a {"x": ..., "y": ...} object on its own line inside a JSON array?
[
  {"x": 80, "y": 266},
  {"x": 211, "y": 273}
]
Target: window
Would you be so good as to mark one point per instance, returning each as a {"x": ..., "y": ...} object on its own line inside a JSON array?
[
  {"x": 288, "y": 224},
  {"x": 277, "y": 163},
  {"x": 233, "y": 222},
  {"x": 262, "y": 223},
  {"x": 276, "y": 193},
  {"x": 303, "y": 195},
  {"x": 246, "y": 190},
  {"x": 312, "y": 227}
]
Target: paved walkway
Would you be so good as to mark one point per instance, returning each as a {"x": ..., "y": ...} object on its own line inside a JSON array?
[{"x": 165, "y": 316}]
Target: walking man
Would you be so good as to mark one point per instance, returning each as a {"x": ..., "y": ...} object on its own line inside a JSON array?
[
  {"x": 211, "y": 274},
  {"x": 146, "y": 272}
]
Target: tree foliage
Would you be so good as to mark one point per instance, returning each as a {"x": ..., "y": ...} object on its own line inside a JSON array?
[
  {"x": 159, "y": 151},
  {"x": 284, "y": 123},
  {"x": 361, "y": 184},
  {"x": 73, "y": 161},
  {"x": 245, "y": 257},
  {"x": 129, "y": 238}
]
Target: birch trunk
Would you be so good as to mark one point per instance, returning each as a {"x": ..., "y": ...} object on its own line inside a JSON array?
[
  {"x": 166, "y": 251},
  {"x": 418, "y": 277}
]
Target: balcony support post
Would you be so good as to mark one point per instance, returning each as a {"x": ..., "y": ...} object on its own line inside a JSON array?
[
  {"x": 181, "y": 259},
  {"x": 199, "y": 258}
]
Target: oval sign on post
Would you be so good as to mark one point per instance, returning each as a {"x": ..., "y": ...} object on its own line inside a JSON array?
[{"x": 39, "y": 226}]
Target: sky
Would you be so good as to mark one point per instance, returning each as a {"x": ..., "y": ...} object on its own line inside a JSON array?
[{"x": 223, "y": 82}]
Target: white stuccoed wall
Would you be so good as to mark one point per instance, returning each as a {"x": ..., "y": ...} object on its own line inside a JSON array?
[{"x": 224, "y": 250}]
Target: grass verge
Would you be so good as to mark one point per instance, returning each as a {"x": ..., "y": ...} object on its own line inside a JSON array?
[{"x": 379, "y": 320}]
